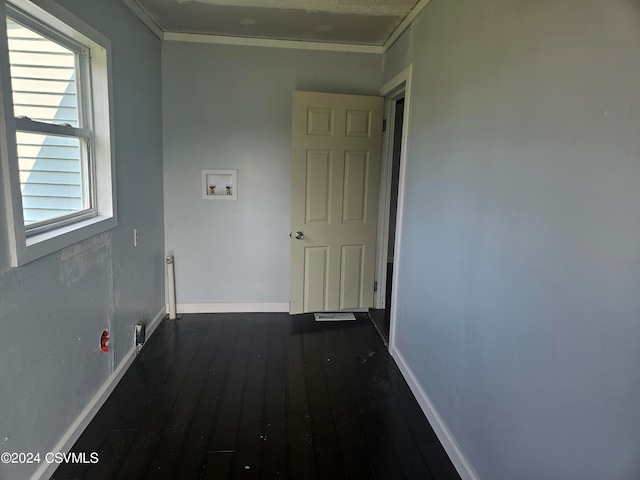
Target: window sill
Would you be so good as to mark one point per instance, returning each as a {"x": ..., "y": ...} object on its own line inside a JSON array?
[{"x": 45, "y": 243}]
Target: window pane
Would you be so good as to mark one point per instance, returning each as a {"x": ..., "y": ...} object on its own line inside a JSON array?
[
  {"x": 43, "y": 77},
  {"x": 52, "y": 175}
]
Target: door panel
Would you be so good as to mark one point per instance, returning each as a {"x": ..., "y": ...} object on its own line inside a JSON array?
[
  {"x": 335, "y": 175},
  {"x": 317, "y": 187},
  {"x": 315, "y": 281},
  {"x": 356, "y": 166},
  {"x": 351, "y": 276}
]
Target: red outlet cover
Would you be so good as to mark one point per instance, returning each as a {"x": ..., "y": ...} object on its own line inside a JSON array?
[{"x": 104, "y": 341}]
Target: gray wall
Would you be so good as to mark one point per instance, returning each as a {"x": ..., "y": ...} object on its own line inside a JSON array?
[
  {"x": 229, "y": 107},
  {"x": 53, "y": 310},
  {"x": 519, "y": 275}
]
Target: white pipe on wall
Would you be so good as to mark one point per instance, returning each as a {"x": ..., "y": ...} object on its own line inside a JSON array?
[{"x": 171, "y": 283}]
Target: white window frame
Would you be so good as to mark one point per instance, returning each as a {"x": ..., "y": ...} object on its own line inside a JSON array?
[
  {"x": 82, "y": 132},
  {"x": 27, "y": 244}
]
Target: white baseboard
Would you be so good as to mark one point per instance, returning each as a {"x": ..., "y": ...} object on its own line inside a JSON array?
[
  {"x": 460, "y": 462},
  {"x": 231, "y": 307},
  {"x": 84, "y": 418},
  {"x": 154, "y": 323}
]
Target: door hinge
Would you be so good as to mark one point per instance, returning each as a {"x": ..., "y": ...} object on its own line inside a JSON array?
[
  {"x": 375, "y": 286},
  {"x": 384, "y": 124}
]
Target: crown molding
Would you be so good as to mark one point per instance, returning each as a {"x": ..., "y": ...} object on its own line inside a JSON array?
[
  {"x": 408, "y": 20},
  {"x": 143, "y": 17},
  {"x": 272, "y": 43}
]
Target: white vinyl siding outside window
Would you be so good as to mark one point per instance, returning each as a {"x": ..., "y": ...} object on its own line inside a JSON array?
[
  {"x": 55, "y": 82},
  {"x": 55, "y": 180}
]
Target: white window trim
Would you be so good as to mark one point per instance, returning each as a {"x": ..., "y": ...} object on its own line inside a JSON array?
[{"x": 23, "y": 248}]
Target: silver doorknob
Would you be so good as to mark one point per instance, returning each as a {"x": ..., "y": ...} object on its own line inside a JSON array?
[{"x": 299, "y": 235}]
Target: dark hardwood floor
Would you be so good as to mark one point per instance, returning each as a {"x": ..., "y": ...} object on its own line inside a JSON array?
[{"x": 261, "y": 396}]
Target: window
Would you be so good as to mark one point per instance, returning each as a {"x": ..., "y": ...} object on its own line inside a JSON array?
[
  {"x": 55, "y": 94},
  {"x": 53, "y": 143}
]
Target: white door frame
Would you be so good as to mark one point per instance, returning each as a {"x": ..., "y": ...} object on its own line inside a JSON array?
[{"x": 396, "y": 88}]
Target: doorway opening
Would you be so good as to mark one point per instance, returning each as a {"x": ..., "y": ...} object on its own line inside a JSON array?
[
  {"x": 381, "y": 315},
  {"x": 397, "y": 96}
]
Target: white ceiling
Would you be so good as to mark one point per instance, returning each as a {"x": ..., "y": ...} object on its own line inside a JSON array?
[{"x": 354, "y": 22}]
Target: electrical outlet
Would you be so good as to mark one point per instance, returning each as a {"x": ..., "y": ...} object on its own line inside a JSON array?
[
  {"x": 136, "y": 237},
  {"x": 140, "y": 335}
]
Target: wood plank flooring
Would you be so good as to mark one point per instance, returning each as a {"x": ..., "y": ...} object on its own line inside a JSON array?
[{"x": 261, "y": 396}]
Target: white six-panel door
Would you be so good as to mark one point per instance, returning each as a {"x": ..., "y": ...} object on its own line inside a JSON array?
[{"x": 335, "y": 175}]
